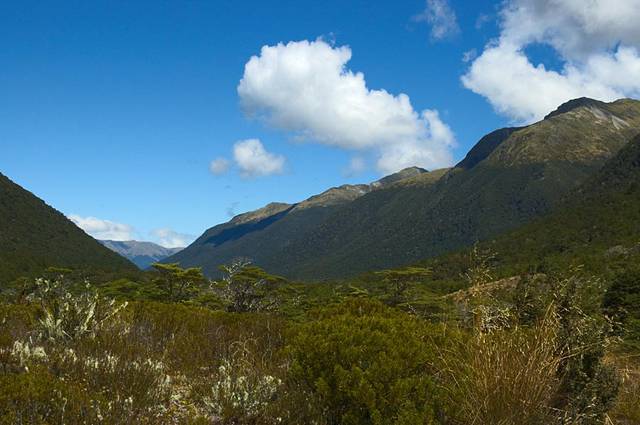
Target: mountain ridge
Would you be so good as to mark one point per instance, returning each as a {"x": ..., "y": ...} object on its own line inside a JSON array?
[
  {"x": 508, "y": 178},
  {"x": 141, "y": 253}
]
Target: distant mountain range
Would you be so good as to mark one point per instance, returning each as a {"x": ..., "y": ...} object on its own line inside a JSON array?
[
  {"x": 142, "y": 254},
  {"x": 34, "y": 236},
  {"x": 509, "y": 178}
]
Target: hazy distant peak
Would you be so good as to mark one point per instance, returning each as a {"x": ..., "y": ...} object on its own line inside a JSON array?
[{"x": 141, "y": 253}]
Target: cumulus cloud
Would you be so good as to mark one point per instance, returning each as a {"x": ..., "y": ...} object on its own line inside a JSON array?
[
  {"x": 441, "y": 17},
  {"x": 170, "y": 238},
  {"x": 109, "y": 230},
  {"x": 597, "y": 41},
  {"x": 219, "y": 166},
  {"x": 103, "y": 229},
  {"x": 254, "y": 160},
  {"x": 305, "y": 88}
]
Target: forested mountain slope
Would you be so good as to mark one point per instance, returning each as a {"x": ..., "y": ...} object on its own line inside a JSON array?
[{"x": 34, "y": 236}]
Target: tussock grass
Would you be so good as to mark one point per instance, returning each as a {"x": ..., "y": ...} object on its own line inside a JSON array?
[{"x": 505, "y": 377}]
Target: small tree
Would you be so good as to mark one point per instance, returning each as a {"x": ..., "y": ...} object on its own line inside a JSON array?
[
  {"x": 589, "y": 385},
  {"x": 246, "y": 288},
  {"x": 398, "y": 283},
  {"x": 179, "y": 284}
]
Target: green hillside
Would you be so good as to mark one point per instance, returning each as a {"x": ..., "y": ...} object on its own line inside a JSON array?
[
  {"x": 34, "y": 236},
  {"x": 510, "y": 178},
  {"x": 598, "y": 225},
  {"x": 262, "y": 235}
]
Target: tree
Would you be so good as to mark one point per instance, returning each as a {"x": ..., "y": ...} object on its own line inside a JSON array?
[
  {"x": 246, "y": 288},
  {"x": 398, "y": 283},
  {"x": 179, "y": 284}
]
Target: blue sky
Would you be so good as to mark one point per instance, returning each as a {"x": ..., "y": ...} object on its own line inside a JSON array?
[{"x": 116, "y": 109}]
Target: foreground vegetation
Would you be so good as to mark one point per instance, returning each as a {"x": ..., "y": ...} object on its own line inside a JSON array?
[{"x": 391, "y": 348}]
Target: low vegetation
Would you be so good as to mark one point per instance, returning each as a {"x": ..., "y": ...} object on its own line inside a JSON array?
[{"x": 388, "y": 348}]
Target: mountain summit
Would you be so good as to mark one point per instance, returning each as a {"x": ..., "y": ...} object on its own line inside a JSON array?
[{"x": 581, "y": 102}]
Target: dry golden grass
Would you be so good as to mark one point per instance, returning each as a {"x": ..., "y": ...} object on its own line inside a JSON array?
[
  {"x": 627, "y": 408},
  {"x": 505, "y": 377}
]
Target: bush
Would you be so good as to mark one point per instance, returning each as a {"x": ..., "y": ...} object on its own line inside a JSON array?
[
  {"x": 39, "y": 397},
  {"x": 69, "y": 316},
  {"x": 366, "y": 364},
  {"x": 242, "y": 389}
]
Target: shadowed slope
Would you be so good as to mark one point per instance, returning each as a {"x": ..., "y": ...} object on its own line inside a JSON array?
[{"x": 34, "y": 236}]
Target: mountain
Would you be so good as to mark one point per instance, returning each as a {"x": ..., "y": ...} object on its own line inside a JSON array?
[
  {"x": 262, "y": 233},
  {"x": 34, "y": 236},
  {"x": 597, "y": 225},
  {"x": 509, "y": 178},
  {"x": 142, "y": 254}
]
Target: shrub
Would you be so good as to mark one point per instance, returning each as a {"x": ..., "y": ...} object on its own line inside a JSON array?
[
  {"x": 588, "y": 385},
  {"x": 243, "y": 389},
  {"x": 365, "y": 364},
  {"x": 622, "y": 303},
  {"x": 69, "y": 316},
  {"x": 39, "y": 397}
]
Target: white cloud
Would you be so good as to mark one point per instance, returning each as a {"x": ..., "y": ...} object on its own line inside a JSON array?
[
  {"x": 170, "y": 238},
  {"x": 576, "y": 28},
  {"x": 482, "y": 20},
  {"x": 469, "y": 55},
  {"x": 254, "y": 160},
  {"x": 441, "y": 17},
  {"x": 219, "y": 166},
  {"x": 597, "y": 40},
  {"x": 109, "y": 230},
  {"x": 356, "y": 166},
  {"x": 305, "y": 88},
  {"x": 103, "y": 229}
]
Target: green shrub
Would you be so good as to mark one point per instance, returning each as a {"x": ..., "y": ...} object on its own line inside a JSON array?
[
  {"x": 38, "y": 397},
  {"x": 622, "y": 303},
  {"x": 589, "y": 386},
  {"x": 366, "y": 364}
]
